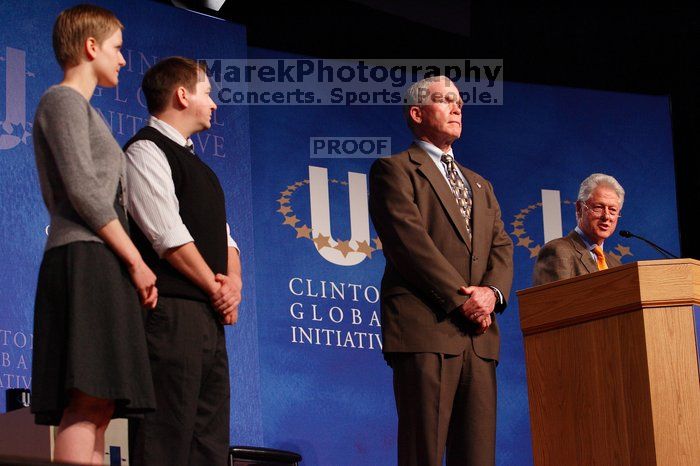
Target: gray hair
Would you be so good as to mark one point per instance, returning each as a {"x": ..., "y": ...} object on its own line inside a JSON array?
[
  {"x": 600, "y": 179},
  {"x": 417, "y": 93}
]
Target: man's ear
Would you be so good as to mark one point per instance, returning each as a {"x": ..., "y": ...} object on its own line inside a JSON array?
[
  {"x": 91, "y": 47},
  {"x": 415, "y": 114},
  {"x": 182, "y": 98}
]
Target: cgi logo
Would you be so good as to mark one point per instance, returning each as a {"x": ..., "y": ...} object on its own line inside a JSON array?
[
  {"x": 334, "y": 249},
  {"x": 14, "y": 128},
  {"x": 350, "y": 148}
]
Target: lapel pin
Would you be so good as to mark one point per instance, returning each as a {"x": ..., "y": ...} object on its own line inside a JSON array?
[{"x": 478, "y": 184}]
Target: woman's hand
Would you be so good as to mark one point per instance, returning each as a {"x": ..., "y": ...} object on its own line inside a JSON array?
[{"x": 145, "y": 282}]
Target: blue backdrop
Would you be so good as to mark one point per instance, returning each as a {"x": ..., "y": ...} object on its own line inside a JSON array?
[
  {"x": 307, "y": 370},
  {"x": 332, "y": 399},
  {"x": 27, "y": 68}
]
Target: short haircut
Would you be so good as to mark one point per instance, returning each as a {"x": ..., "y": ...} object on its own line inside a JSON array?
[
  {"x": 161, "y": 80},
  {"x": 417, "y": 94},
  {"x": 600, "y": 179},
  {"x": 75, "y": 25}
]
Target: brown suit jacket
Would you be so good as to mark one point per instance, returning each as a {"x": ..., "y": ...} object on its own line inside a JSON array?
[
  {"x": 565, "y": 258},
  {"x": 428, "y": 258}
]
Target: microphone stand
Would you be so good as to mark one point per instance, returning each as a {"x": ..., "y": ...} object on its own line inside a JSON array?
[{"x": 658, "y": 248}]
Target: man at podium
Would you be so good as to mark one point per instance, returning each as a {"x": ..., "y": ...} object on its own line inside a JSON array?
[{"x": 600, "y": 199}]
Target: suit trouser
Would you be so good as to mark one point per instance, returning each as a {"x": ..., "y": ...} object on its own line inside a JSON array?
[
  {"x": 187, "y": 350},
  {"x": 445, "y": 404}
]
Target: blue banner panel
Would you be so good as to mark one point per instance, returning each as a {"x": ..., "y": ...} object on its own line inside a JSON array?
[
  {"x": 27, "y": 67},
  {"x": 326, "y": 391}
]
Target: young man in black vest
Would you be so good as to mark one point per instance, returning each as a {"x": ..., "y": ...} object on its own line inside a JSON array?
[{"x": 178, "y": 205}]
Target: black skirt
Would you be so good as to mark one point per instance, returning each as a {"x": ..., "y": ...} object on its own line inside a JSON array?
[{"x": 88, "y": 334}]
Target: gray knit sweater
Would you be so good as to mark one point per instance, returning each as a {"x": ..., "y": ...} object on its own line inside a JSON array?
[{"x": 79, "y": 164}]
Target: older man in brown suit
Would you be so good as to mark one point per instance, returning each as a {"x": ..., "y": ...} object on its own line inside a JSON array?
[
  {"x": 449, "y": 268},
  {"x": 600, "y": 200}
]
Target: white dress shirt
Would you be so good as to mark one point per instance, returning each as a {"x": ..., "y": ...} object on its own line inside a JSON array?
[
  {"x": 152, "y": 201},
  {"x": 436, "y": 156}
]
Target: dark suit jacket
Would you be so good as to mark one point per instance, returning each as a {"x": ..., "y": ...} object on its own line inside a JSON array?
[
  {"x": 565, "y": 258},
  {"x": 428, "y": 258}
]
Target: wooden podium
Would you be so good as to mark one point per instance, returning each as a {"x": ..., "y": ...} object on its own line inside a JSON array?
[{"x": 612, "y": 366}]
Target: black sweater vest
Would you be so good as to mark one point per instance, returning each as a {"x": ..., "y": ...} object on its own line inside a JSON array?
[{"x": 202, "y": 209}]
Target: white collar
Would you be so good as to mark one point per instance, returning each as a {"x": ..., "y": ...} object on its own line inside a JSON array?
[
  {"x": 432, "y": 150},
  {"x": 169, "y": 131}
]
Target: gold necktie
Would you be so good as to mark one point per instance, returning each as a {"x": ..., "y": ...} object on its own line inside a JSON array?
[{"x": 600, "y": 257}]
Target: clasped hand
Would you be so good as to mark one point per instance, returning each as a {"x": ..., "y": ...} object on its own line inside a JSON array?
[
  {"x": 144, "y": 280},
  {"x": 227, "y": 297},
  {"x": 479, "y": 306}
]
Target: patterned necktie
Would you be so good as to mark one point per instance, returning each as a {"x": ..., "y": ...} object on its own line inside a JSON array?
[
  {"x": 460, "y": 190},
  {"x": 600, "y": 257}
]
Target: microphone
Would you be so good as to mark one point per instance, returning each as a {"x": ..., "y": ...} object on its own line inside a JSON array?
[{"x": 665, "y": 253}]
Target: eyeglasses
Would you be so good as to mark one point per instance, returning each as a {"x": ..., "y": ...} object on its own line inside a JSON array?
[{"x": 598, "y": 210}]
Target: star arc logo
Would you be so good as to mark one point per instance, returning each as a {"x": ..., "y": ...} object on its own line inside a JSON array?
[{"x": 321, "y": 241}]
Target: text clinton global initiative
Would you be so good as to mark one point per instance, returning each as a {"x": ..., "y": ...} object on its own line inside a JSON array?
[{"x": 334, "y": 314}]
